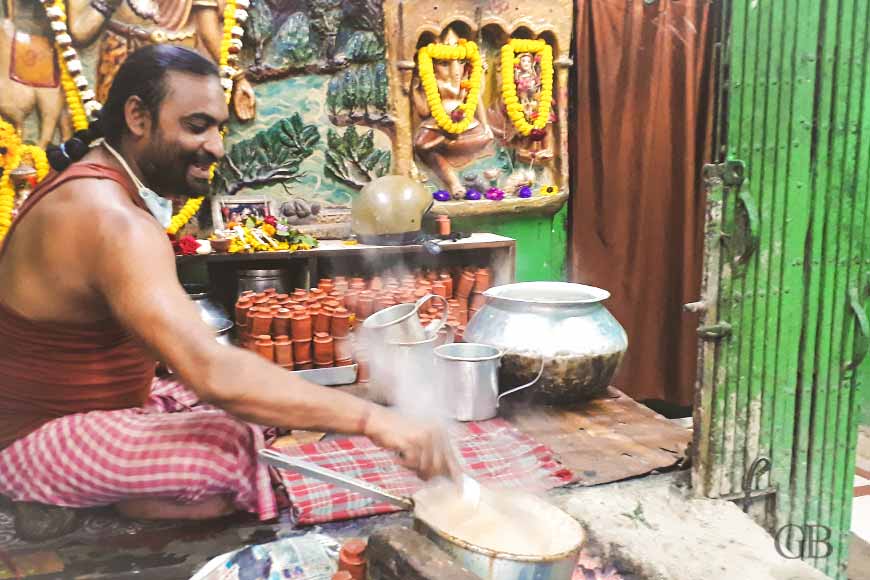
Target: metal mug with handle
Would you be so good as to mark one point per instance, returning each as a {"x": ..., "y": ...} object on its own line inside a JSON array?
[
  {"x": 400, "y": 323},
  {"x": 469, "y": 372}
]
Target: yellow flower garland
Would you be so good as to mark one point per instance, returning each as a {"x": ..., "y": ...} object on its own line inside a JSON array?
[
  {"x": 509, "y": 87},
  {"x": 7, "y": 193},
  {"x": 179, "y": 220},
  {"x": 56, "y": 11},
  {"x": 226, "y": 40},
  {"x": 40, "y": 161},
  {"x": 15, "y": 154},
  {"x": 73, "y": 99},
  {"x": 465, "y": 50}
]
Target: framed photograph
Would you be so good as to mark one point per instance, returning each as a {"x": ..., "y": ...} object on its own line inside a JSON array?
[{"x": 238, "y": 208}]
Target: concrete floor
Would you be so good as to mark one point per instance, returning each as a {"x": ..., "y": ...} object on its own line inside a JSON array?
[{"x": 650, "y": 527}]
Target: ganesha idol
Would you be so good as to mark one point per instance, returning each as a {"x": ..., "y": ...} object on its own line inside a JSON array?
[{"x": 442, "y": 150}]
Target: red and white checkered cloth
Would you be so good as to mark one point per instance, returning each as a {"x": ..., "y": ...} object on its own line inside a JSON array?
[
  {"x": 494, "y": 452},
  {"x": 173, "y": 448}
]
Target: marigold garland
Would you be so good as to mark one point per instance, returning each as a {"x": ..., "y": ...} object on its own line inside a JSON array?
[
  {"x": 81, "y": 100},
  {"x": 40, "y": 161},
  {"x": 509, "y": 87},
  {"x": 179, "y": 220},
  {"x": 465, "y": 50},
  {"x": 15, "y": 154},
  {"x": 11, "y": 160},
  {"x": 73, "y": 99}
]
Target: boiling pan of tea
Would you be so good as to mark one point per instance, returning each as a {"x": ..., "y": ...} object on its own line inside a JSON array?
[
  {"x": 566, "y": 324},
  {"x": 507, "y": 535}
]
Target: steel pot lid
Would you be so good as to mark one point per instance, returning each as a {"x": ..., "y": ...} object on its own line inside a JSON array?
[{"x": 551, "y": 293}]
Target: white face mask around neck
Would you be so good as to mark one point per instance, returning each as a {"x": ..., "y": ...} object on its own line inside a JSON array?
[{"x": 160, "y": 207}]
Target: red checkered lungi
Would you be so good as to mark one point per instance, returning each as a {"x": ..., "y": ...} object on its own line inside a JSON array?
[{"x": 173, "y": 448}]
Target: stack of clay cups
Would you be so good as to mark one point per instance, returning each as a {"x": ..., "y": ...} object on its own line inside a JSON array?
[
  {"x": 324, "y": 350},
  {"x": 301, "y": 331},
  {"x": 340, "y": 328},
  {"x": 481, "y": 285}
]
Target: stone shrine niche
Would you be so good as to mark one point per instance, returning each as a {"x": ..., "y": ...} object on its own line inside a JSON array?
[{"x": 500, "y": 148}]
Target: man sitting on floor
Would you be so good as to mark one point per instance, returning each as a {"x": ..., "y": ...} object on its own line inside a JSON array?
[{"x": 89, "y": 300}]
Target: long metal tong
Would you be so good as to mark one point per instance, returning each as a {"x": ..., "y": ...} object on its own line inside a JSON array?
[{"x": 310, "y": 469}]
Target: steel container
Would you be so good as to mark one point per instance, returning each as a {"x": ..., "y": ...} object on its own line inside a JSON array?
[
  {"x": 492, "y": 565},
  {"x": 565, "y": 324},
  {"x": 209, "y": 310},
  {"x": 400, "y": 374},
  {"x": 259, "y": 280},
  {"x": 222, "y": 328}
]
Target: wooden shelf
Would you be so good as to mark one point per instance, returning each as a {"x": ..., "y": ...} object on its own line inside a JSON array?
[
  {"x": 335, "y": 248},
  {"x": 539, "y": 205}
]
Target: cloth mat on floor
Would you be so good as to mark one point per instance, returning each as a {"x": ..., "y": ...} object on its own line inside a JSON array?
[{"x": 494, "y": 452}]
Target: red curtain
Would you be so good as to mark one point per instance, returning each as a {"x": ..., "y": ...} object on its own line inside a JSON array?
[{"x": 641, "y": 127}]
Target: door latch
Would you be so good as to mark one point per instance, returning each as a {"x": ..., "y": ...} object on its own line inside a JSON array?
[{"x": 716, "y": 331}]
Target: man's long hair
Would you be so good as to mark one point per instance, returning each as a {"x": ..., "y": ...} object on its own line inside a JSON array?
[{"x": 143, "y": 75}]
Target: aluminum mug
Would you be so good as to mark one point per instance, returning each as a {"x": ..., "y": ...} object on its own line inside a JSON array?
[
  {"x": 405, "y": 379},
  {"x": 469, "y": 377},
  {"x": 401, "y": 323}
]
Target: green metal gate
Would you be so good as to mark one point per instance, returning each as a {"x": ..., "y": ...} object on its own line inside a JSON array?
[{"x": 786, "y": 271}]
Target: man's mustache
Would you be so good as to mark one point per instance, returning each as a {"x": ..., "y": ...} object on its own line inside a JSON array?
[{"x": 202, "y": 158}]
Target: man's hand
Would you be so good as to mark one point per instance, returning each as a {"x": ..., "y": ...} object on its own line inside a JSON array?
[{"x": 422, "y": 447}]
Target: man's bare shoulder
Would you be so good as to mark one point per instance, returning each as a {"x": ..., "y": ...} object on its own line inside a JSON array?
[{"x": 102, "y": 205}]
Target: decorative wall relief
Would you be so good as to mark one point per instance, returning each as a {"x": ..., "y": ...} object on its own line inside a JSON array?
[
  {"x": 512, "y": 156},
  {"x": 119, "y": 27},
  {"x": 324, "y": 60},
  {"x": 333, "y": 94},
  {"x": 30, "y": 77},
  {"x": 353, "y": 159},
  {"x": 271, "y": 157}
]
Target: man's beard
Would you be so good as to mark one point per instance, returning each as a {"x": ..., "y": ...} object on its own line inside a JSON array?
[{"x": 165, "y": 168}]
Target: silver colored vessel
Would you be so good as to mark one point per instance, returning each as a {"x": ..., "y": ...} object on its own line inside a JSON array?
[{"x": 566, "y": 324}]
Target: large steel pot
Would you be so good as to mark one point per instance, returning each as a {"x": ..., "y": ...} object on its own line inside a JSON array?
[{"x": 566, "y": 324}]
